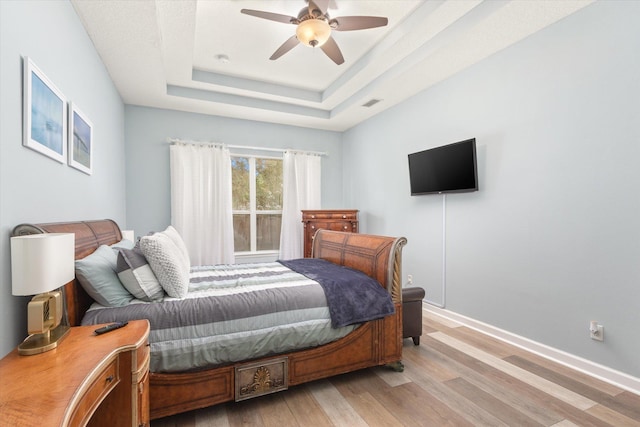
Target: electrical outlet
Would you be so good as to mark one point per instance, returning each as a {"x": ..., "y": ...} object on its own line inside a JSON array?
[
  {"x": 596, "y": 330},
  {"x": 409, "y": 279}
]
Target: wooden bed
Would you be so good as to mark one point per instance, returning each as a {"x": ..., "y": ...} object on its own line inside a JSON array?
[{"x": 374, "y": 343}]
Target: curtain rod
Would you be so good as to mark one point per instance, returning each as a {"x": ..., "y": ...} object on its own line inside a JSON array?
[{"x": 277, "y": 150}]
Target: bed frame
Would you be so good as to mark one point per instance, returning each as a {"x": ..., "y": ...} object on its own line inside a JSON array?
[{"x": 374, "y": 343}]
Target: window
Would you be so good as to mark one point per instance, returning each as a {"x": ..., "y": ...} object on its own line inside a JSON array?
[{"x": 257, "y": 203}]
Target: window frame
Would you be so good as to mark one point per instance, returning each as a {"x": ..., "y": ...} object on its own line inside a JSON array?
[{"x": 253, "y": 212}]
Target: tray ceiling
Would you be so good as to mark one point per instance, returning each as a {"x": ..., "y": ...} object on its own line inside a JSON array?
[{"x": 207, "y": 57}]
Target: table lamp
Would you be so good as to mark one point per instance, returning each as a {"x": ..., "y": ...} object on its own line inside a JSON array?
[{"x": 40, "y": 264}]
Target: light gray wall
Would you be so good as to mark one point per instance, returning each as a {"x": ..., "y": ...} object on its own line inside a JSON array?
[
  {"x": 148, "y": 175},
  {"x": 552, "y": 239},
  {"x": 34, "y": 188}
]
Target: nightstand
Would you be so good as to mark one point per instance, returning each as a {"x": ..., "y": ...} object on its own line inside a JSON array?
[{"x": 100, "y": 380}]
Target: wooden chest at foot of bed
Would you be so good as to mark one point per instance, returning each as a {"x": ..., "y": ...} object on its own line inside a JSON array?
[{"x": 257, "y": 379}]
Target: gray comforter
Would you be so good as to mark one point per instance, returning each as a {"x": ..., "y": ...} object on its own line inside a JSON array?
[{"x": 231, "y": 313}]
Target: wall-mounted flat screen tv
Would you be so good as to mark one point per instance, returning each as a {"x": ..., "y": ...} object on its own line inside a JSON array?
[{"x": 447, "y": 169}]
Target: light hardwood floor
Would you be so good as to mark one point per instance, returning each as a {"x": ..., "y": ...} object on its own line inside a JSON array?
[{"x": 456, "y": 377}]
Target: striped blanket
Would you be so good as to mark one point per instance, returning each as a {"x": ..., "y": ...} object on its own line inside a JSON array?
[{"x": 231, "y": 313}]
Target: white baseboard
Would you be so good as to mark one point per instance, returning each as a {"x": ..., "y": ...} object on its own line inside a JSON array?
[{"x": 611, "y": 376}]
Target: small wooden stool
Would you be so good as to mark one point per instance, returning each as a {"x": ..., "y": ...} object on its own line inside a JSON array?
[{"x": 412, "y": 313}]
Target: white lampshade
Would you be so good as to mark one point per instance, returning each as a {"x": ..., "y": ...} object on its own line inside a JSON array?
[
  {"x": 313, "y": 32},
  {"x": 128, "y": 234},
  {"x": 41, "y": 262}
]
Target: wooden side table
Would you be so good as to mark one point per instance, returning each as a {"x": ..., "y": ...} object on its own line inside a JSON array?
[{"x": 89, "y": 379}]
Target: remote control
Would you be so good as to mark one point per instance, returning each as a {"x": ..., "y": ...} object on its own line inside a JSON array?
[{"x": 109, "y": 328}]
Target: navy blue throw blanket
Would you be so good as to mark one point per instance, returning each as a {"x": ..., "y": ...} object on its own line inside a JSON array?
[{"x": 352, "y": 296}]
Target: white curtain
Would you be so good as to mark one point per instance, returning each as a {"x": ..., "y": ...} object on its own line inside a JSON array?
[
  {"x": 301, "y": 190},
  {"x": 201, "y": 202}
]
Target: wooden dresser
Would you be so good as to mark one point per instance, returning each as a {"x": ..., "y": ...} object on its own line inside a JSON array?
[
  {"x": 336, "y": 220},
  {"x": 96, "y": 380}
]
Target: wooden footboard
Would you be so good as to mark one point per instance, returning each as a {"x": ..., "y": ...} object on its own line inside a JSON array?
[
  {"x": 374, "y": 343},
  {"x": 377, "y": 256}
]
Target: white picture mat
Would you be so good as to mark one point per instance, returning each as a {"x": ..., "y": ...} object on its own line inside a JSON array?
[{"x": 44, "y": 114}]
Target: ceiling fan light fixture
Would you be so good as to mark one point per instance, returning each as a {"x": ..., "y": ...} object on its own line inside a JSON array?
[{"x": 313, "y": 32}]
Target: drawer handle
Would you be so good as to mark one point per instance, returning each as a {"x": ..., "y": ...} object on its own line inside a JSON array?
[
  {"x": 313, "y": 216},
  {"x": 344, "y": 216},
  {"x": 110, "y": 378},
  {"x": 345, "y": 227},
  {"x": 313, "y": 227}
]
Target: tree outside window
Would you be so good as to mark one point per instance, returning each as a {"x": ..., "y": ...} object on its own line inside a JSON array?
[{"x": 257, "y": 203}]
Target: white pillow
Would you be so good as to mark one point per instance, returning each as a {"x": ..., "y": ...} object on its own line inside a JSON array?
[
  {"x": 176, "y": 238},
  {"x": 167, "y": 263}
]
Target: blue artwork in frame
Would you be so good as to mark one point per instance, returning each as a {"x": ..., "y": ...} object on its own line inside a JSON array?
[
  {"x": 44, "y": 114},
  {"x": 80, "y": 140}
]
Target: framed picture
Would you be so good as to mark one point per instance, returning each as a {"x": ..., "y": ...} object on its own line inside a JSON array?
[
  {"x": 45, "y": 114},
  {"x": 80, "y": 140}
]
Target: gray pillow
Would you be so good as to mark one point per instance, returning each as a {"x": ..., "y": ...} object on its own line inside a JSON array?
[
  {"x": 167, "y": 263},
  {"x": 136, "y": 275},
  {"x": 97, "y": 275},
  {"x": 123, "y": 244}
]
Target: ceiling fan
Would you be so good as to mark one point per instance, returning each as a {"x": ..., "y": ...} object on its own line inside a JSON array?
[{"x": 314, "y": 28}]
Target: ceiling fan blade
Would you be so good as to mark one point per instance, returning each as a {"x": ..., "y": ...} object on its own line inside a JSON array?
[
  {"x": 333, "y": 51},
  {"x": 350, "y": 23},
  {"x": 270, "y": 16},
  {"x": 285, "y": 47},
  {"x": 321, "y": 5}
]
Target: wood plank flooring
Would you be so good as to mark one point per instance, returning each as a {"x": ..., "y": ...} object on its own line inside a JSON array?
[{"x": 456, "y": 377}]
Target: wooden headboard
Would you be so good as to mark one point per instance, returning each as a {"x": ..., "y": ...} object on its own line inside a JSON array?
[{"x": 89, "y": 236}]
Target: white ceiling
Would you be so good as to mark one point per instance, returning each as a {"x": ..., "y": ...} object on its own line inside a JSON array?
[{"x": 165, "y": 53}]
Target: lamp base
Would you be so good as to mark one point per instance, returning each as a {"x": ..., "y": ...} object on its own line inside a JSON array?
[{"x": 39, "y": 343}]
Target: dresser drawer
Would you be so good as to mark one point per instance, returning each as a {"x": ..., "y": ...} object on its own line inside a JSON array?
[
  {"x": 142, "y": 356},
  {"x": 95, "y": 394},
  {"x": 334, "y": 226},
  {"x": 334, "y": 215}
]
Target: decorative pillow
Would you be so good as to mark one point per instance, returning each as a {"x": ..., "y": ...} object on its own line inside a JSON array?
[
  {"x": 176, "y": 238},
  {"x": 123, "y": 244},
  {"x": 97, "y": 275},
  {"x": 167, "y": 263},
  {"x": 136, "y": 275}
]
